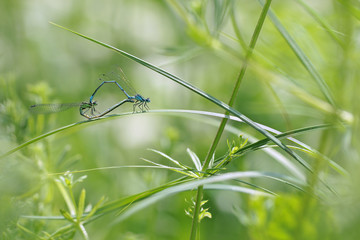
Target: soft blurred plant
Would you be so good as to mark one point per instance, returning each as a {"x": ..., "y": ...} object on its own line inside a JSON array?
[
  {"x": 306, "y": 209},
  {"x": 78, "y": 214}
]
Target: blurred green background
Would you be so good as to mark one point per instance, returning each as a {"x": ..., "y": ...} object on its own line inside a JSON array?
[{"x": 195, "y": 40}]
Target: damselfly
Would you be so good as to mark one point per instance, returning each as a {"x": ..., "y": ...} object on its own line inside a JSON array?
[{"x": 118, "y": 77}]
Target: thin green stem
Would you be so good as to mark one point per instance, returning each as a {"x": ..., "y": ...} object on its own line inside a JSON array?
[
  {"x": 73, "y": 199},
  {"x": 195, "y": 221},
  {"x": 214, "y": 144},
  {"x": 83, "y": 231},
  {"x": 69, "y": 202},
  {"x": 238, "y": 82}
]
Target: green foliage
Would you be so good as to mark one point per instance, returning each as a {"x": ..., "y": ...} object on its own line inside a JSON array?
[
  {"x": 76, "y": 216},
  {"x": 234, "y": 147},
  {"x": 204, "y": 212},
  {"x": 291, "y": 65},
  {"x": 288, "y": 217}
]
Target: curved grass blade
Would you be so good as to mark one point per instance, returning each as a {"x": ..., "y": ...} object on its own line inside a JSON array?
[
  {"x": 277, "y": 156},
  {"x": 194, "y": 184},
  {"x": 234, "y": 188},
  {"x": 287, "y": 134},
  {"x": 282, "y": 135},
  {"x": 139, "y": 201},
  {"x": 199, "y": 92},
  {"x": 321, "y": 22},
  {"x": 176, "y": 111},
  {"x": 120, "y": 203},
  {"x": 182, "y": 184},
  {"x": 324, "y": 88}
]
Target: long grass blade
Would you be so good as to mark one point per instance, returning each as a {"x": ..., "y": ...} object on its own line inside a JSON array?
[
  {"x": 288, "y": 135},
  {"x": 118, "y": 204},
  {"x": 324, "y": 24},
  {"x": 194, "y": 184},
  {"x": 183, "y": 184},
  {"x": 324, "y": 88},
  {"x": 199, "y": 92},
  {"x": 175, "y": 111},
  {"x": 139, "y": 201}
]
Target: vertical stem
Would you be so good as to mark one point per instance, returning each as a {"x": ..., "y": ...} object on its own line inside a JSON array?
[
  {"x": 238, "y": 81},
  {"x": 73, "y": 200},
  {"x": 211, "y": 151},
  {"x": 195, "y": 221}
]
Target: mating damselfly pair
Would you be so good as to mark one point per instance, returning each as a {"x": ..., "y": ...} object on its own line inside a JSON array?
[{"x": 88, "y": 110}]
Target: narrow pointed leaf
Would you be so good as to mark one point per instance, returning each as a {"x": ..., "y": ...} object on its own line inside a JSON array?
[
  {"x": 195, "y": 159},
  {"x": 67, "y": 215},
  {"x": 178, "y": 170},
  {"x": 81, "y": 205},
  {"x": 199, "y": 92},
  {"x": 324, "y": 88},
  {"x": 189, "y": 186},
  {"x": 95, "y": 208},
  {"x": 168, "y": 157}
]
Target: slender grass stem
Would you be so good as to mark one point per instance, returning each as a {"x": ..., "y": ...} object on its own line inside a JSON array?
[
  {"x": 238, "y": 81},
  {"x": 195, "y": 221},
  {"x": 214, "y": 144}
]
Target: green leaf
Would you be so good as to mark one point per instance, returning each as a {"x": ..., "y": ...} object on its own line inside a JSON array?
[
  {"x": 67, "y": 215},
  {"x": 195, "y": 159},
  {"x": 234, "y": 188},
  {"x": 120, "y": 203},
  {"x": 157, "y": 196},
  {"x": 94, "y": 209},
  {"x": 65, "y": 195},
  {"x": 169, "y": 158},
  {"x": 184, "y": 171},
  {"x": 81, "y": 205}
]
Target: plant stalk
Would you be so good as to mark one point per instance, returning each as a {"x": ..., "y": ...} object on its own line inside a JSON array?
[{"x": 195, "y": 220}]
